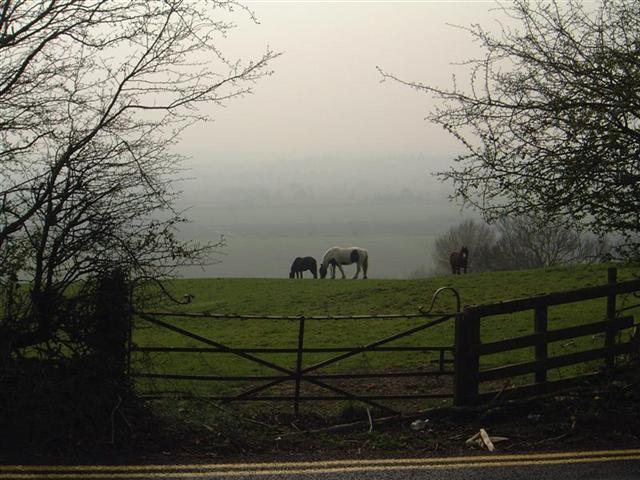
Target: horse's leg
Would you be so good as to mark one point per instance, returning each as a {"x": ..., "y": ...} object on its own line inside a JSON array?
[
  {"x": 357, "y": 270},
  {"x": 333, "y": 270},
  {"x": 341, "y": 270}
]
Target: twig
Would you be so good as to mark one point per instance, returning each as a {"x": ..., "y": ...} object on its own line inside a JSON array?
[
  {"x": 244, "y": 419},
  {"x": 499, "y": 394},
  {"x": 552, "y": 439},
  {"x": 370, "y": 420},
  {"x": 113, "y": 420},
  {"x": 348, "y": 426}
]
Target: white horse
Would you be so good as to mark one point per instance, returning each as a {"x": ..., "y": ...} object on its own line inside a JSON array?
[{"x": 338, "y": 256}]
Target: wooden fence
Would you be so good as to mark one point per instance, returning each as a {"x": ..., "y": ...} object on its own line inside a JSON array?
[
  {"x": 466, "y": 351},
  {"x": 469, "y": 348}
]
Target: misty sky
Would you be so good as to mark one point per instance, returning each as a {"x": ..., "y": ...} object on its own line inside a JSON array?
[
  {"x": 325, "y": 96},
  {"x": 323, "y": 134}
]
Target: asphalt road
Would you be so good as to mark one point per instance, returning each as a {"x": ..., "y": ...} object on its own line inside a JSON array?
[{"x": 600, "y": 465}]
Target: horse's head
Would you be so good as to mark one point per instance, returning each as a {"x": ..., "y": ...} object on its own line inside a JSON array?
[
  {"x": 464, "y": 253},
  {"x": 292, "y": 274},
  {"x": 323, "y": 270}
]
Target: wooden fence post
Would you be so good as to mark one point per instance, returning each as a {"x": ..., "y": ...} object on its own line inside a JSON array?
[
  {"x": 296, "y": 404},
  {"x": 129, "y": 343},
  {"x": 540, "y": 320},
  {"x": 610, "y": 339},
  {"x": 467, "y": 359}
]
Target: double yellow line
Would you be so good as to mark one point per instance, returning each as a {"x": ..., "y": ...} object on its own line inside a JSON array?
[{"x": 230, "y": 470}]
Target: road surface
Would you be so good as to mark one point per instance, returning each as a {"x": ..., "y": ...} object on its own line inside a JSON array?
[{"x": 601, "y": 465}]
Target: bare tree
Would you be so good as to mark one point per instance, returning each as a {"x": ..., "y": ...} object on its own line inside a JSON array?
[
  {"x": 93, "y": 97},
  {"x": 551, "y": 120},
  {"x": 518, "y": 243},
  {"x": 477, "y": 236},
  {"x": 528, "y": 242}
]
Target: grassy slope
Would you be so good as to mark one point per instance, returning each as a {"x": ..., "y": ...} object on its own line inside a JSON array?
[{"x": 293, "y": 297}]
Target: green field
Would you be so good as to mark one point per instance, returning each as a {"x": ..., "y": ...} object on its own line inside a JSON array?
[{"x": 345, "y": 297}]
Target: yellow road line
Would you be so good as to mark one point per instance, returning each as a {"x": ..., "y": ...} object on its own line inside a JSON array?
[
  {"x": 327, "y": 463},
  {"x": 364, "y": 468},
  {"x": 342, "y": 466}
]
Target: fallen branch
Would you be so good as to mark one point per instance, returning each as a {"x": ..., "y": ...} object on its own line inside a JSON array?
[
  {"x": 482, "y": 439},
  {"x": 355, "y": 425},
  {"x": 486, "y": 439}
]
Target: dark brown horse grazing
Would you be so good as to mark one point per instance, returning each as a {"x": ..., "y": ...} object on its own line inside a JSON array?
[
  {"x": 458, "y": 261},
  {"x": 301, "y": 264}
]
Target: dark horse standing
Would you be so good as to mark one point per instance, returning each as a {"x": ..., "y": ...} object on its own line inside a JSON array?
[
  {"x": 301, "y": 264},
  {"x": 458, "y": 261}
]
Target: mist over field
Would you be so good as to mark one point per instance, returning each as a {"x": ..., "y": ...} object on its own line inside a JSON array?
[
  {"x": 273, "y": 211},
  {"x": 323, "y": 152}
]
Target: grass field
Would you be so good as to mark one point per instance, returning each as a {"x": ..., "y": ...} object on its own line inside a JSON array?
[{"x": 338, "y": 297}]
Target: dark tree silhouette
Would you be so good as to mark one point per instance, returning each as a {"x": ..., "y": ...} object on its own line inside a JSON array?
[
  {"x": 550, "y": 123},
  {"x": 93, "y": 97}
]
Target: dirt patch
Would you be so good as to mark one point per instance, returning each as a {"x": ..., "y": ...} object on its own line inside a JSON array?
[{"x": 601, "y": 415}]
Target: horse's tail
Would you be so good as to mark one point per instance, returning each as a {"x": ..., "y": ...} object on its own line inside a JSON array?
[{"x": 365, "y": 262}]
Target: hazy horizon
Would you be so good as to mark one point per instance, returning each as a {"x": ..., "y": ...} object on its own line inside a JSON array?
[{"x": 323, "y": 152}]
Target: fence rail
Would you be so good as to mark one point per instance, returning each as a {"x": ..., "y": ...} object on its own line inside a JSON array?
[
  {"x": 236, "y": 316},
  {"x": 469, "y": 348}
]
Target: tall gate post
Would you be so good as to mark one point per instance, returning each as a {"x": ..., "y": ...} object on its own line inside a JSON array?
[
  {"x": 467, "y": 358},
  {"x": 610, "y": 339}
]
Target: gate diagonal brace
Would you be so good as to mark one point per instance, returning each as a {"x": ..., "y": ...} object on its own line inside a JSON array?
[
  {"x": 292, "y": 375},
  {"x": 335, "y": 359},
  {"x": 372, "y": 346},
  {"x": 220, "y": 346},
  {"x": 260, "y": 361}
]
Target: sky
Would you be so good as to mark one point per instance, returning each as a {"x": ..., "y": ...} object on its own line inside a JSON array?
[
  {"x": 324, "y": 151},
  {"x": 325, "y": 96}
]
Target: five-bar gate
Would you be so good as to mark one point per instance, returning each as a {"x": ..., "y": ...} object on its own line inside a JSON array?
[{"x": 257, "y": 386}]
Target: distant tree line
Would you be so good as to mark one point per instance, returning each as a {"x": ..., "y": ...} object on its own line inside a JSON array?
[{"x": 517, "y": 243}]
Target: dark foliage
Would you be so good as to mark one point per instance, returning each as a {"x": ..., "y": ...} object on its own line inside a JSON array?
[
  {"x": 74, "y": 387},
  {"x": 549, "y": 117}
]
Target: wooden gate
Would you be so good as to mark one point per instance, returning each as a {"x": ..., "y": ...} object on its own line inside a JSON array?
[{"x": 257, "y": 386}]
